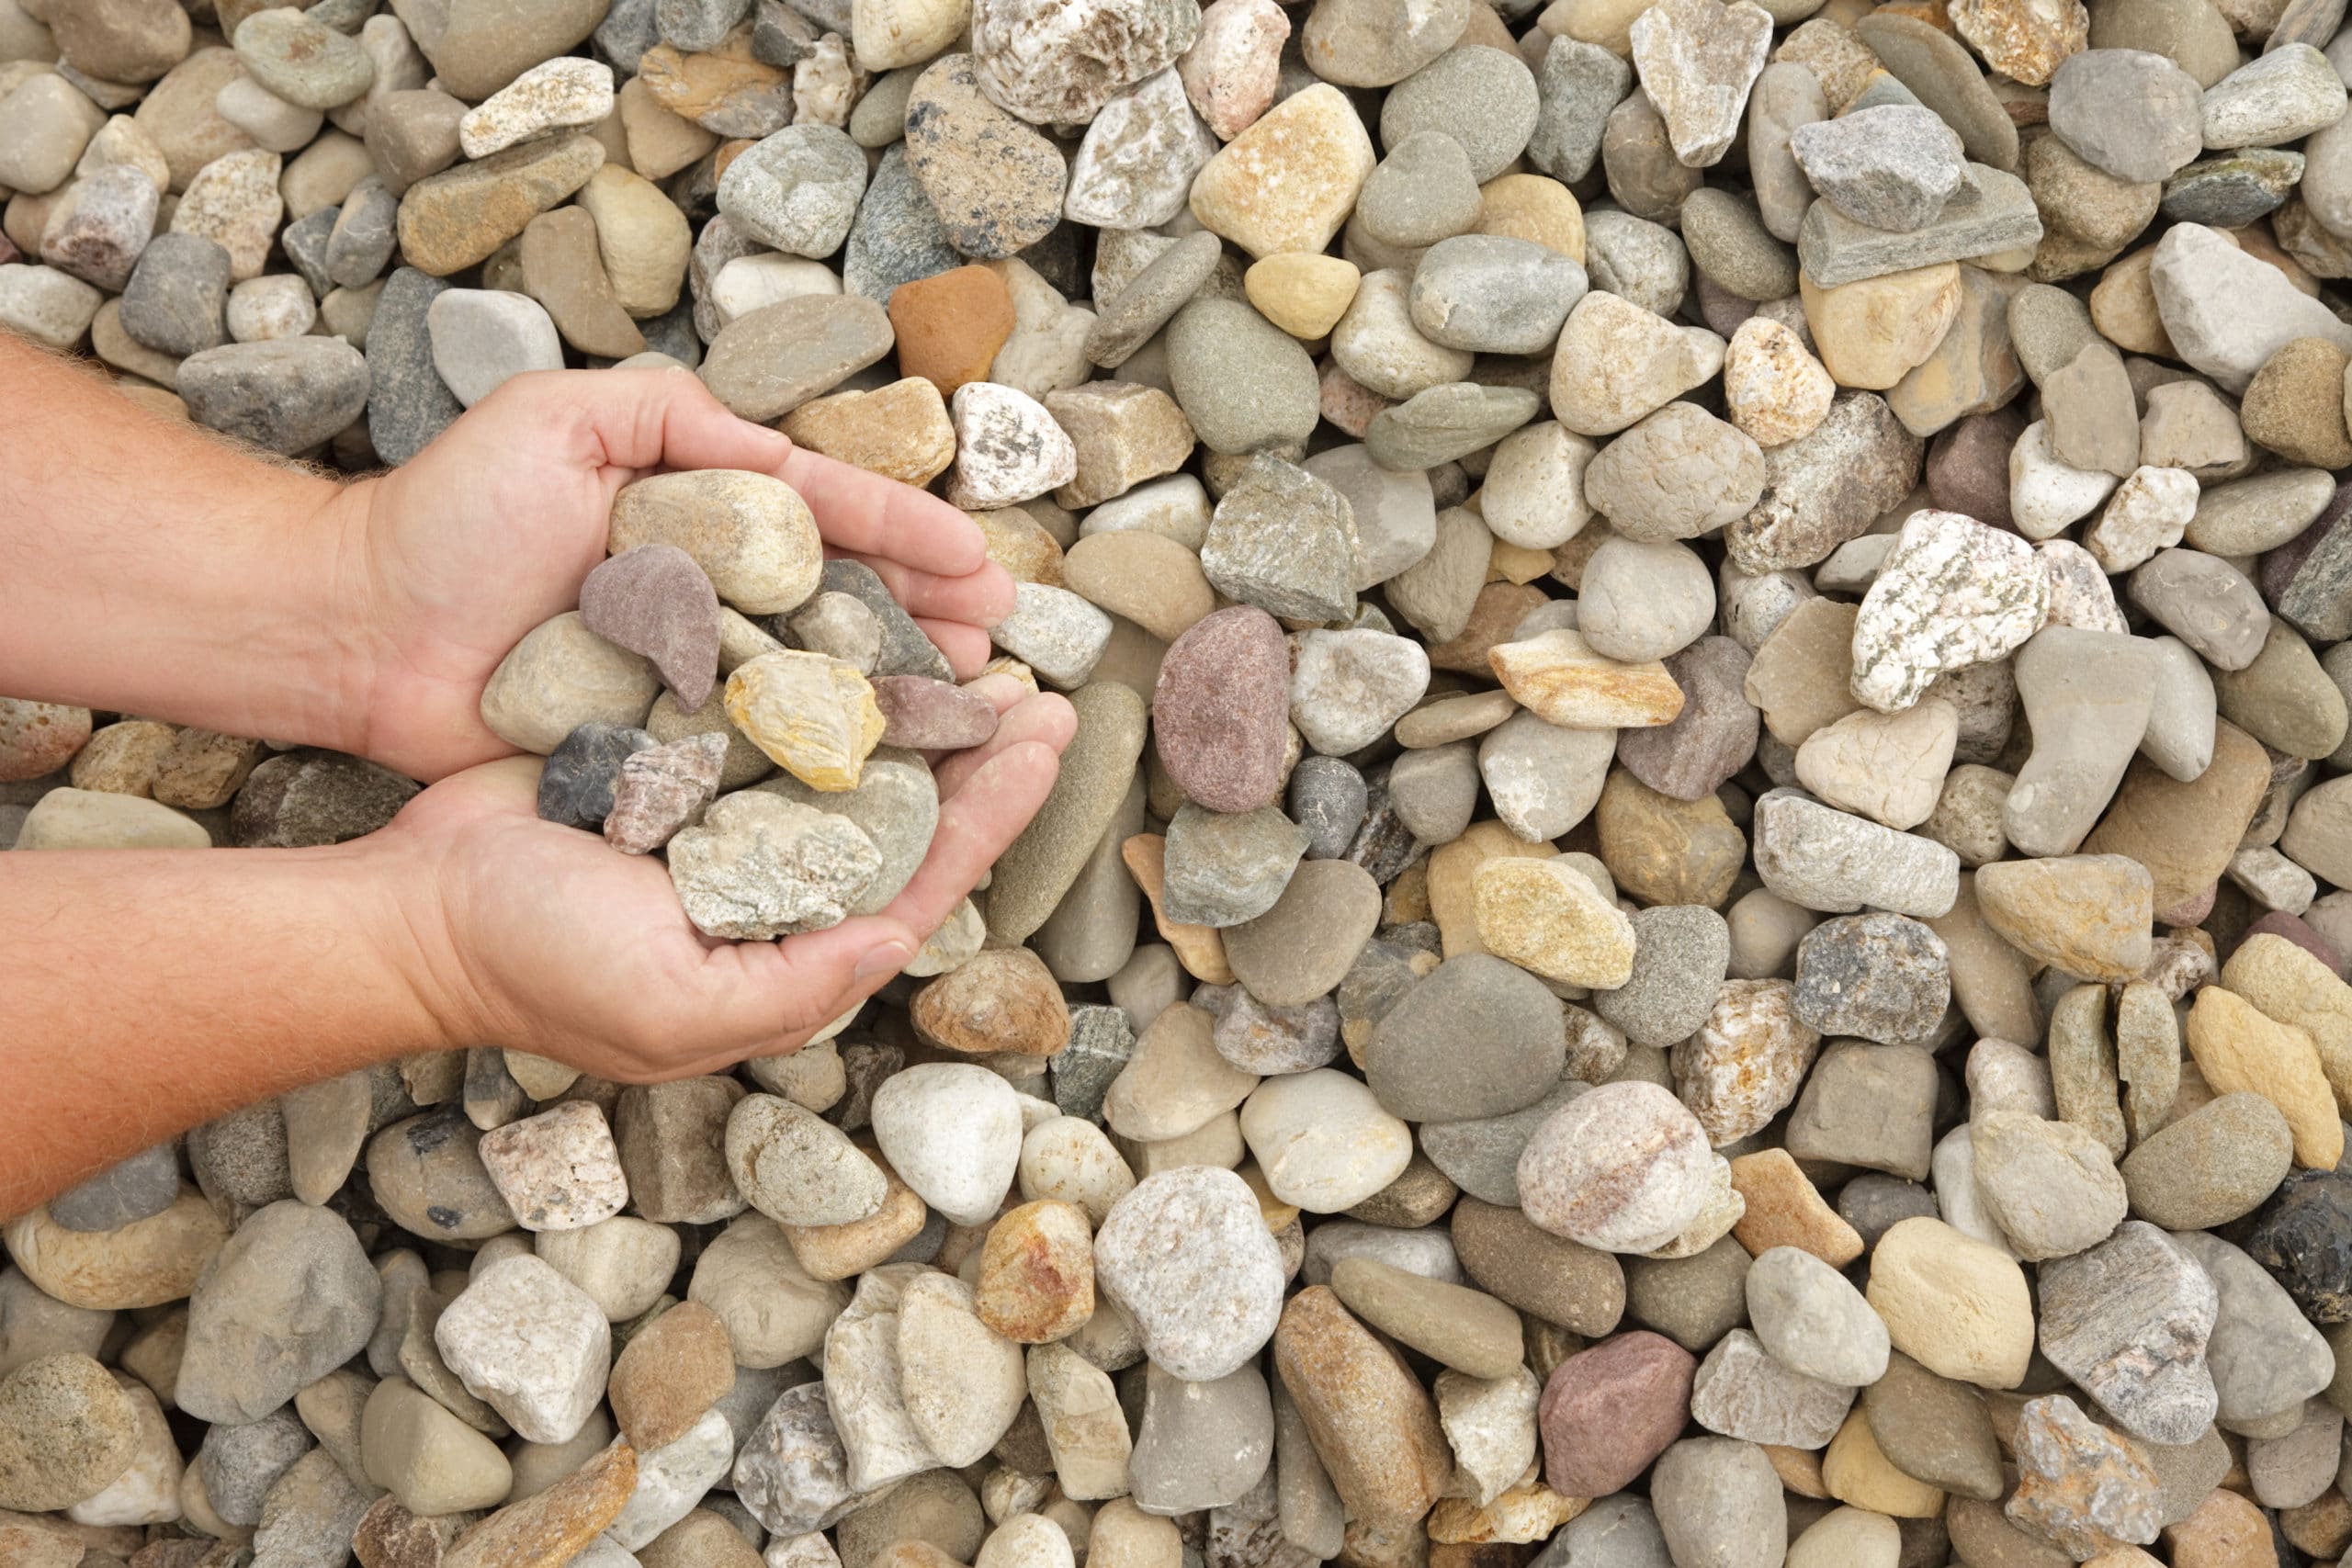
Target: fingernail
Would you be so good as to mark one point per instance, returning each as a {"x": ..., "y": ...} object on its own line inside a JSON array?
[{"x": 887, "y": 958}]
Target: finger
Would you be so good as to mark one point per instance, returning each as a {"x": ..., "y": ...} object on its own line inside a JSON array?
[
  {"x": 967, "y": 648},
  {"x": 639, "y": 420},
  {"x": 1047, "y": 720},
  {"x": 1001, "y": 692},
  {"x": 759, "y": 992},
  {"x": 976, "y": 823},
  {"x": 873, "y": 515},
  {"x": 980, "y": 598}
]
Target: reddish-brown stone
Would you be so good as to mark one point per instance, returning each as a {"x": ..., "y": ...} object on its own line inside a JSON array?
[
  {"x": 655, "y": 601},
  {"x": 950, "y": 325},
  {"x": 1608, "y": 1411},
  {"x": 924, "y": 714},
  {"x": 1220, "y": 713}
]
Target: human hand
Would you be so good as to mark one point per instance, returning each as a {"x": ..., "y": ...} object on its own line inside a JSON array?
[
  {"x": 543, "y": 937},
  {"x": 447, "y": 561}
]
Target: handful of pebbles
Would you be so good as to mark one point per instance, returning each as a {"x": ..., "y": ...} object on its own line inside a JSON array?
[
  {"x": 624, "y": 698},
  {"x": 1698, "y": 918}
]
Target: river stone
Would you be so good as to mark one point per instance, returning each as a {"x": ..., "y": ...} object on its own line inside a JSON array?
[
  {"x": 288, "y": 1298},
  {"x": 283, "y": 396},
  {"x": 2128, "y": 1320},
  {"x": 1188, "y": 1257}
]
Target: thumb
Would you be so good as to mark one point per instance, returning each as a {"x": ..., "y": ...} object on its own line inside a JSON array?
[{"x": 656, "y": 418}]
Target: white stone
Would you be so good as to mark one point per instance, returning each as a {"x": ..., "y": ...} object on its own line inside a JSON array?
[
  {"x": 551, "y": 96},
  {"x": 2045, "y": 495},
  {"x": 1057, "y": 634},
  {"x": 1136, "y": 166},
  {"x": 1071, "y": 1160},
  {"x": 482, "y": 337},
  {"x": 673, "y": 1478},
  {"x": 1490, "y": 1423},
  {"x": 531, "y": 1344},
  {"x": 1349, "y": 688},
  {"x": 952, "y": 1131},
  {"x": 623, "y": 1263},
  {"x": 1534, "y": 495},
  {"x": 1188, "y": 1254},
  {"x": 1008, "y": 448},
  {"x": 960, "y": 1382},
  {"x": 1322, "y": 1140},
  {"x": 148, "y": 1492},
  {"x": 2227, "y": 311},
  {"x": 558, "y": 1171},
  {"x": 752, "y": 283},
  {"x": 277, "y": 305},
  {"x": 46, "y": 304},
  {"x": 273, "y": 123},
  {"x": 863, "y": 1384},
  {"x": 235, "y": 202},
  {"x": 1955, "y": 592},
  {"x": 2080, "y": 594},
  {"x": 1741, "y": 1391},
  {"x": 2148, "y": 512}
]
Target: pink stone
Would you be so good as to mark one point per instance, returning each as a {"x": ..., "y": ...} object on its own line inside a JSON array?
[
  {"x": 662, "y": 789},
  {"x": 1219, "y": 713},
  {"x": 1607, "y": 1412},
  {"x": 655, "y": 601},
  {"x": 1348, "y": 404},
  {"x": 1235, "y": 65},
  {"x": 924, "y": 714},
  {"x": 2189, "y": 912},
  {"x": 36, "y": 738}
]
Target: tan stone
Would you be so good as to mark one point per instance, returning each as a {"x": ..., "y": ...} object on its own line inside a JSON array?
[
  {"x": 1956, "y": 1305},
  {"x": 1859, "y": 1475},
  {"x": 2226, "y": 1531},
  {"x": 1303, "y": 292},
  {"x": 2295, "y": 988},
  {"x": 660, "y": 143},
  {"x": 2294, "y": 405},
  {"x": 1036, "y": 1279},
  {"x": 900, "y": 431},
  {"x": 1124, "y": 433},
  {"x": 1002, "y": 1000},
  {"x": 1546, "y": 916},
  {"x": 705, "y": 85},
  {"x": 450, "y": 221},
  {"x": 2123, "y": 306},
  {"x": 1148, "y": 577},
  {"x": 1871, "y": 333},
  {"x": 144, "y": 1263},
  {"x": 812, "y": 714},
  {"x": 2088, "y": 915},
  {"x": 1533, "y": 207},
  {"x": 2186, "y": 833},
  {"x": 2237, "y": 1048},
  {"x": 838, "y": 1252},
  {"x": 1289, "y": 181},
  {"x": 1371, "y": 1422},
  {"x": 670, "y": 1372},
  {"x": 1802, "y": 676},
  {"x": 1559, "y": 677},
  {"x": 1451, "y": 881},
  {"x": 1200, "y": 949},
  {"x": 1784, "y": 1209},
  {"x": 1664, "y": 850},
  {"x": 1774, "y": 389},
  {"x": 950, "y": 325},
  {"x": 1528, "y": 1512}
]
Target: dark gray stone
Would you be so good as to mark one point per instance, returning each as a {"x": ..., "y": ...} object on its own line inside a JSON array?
[
  {"x": 1878, "y": 976},
  {"x": 1327, "y": 797},
  {"x": 306, "y": 798},
  {"x": 408, "y": 404},
  {"x": 131, "y": 1190},
  {"x": 576, "y": 785},
  {"x": 177, "y": 299}
]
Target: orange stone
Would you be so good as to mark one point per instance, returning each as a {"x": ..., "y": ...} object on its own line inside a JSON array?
[
  {"x": 1037, "y": 1273},
  {"x": 900, "y": 431},
  {"x": 1786, "y": 1210},
  {"x": 950, "y": 325},
  {"x": 549, "y": 1529},
  {"x": 1002, "y": 999},
  {"x": 2226, "y": 1531}
]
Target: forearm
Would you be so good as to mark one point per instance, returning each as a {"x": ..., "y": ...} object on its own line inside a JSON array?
[
  {"x": 148, "y": 991},
  {"x": 157, "y": 571}
]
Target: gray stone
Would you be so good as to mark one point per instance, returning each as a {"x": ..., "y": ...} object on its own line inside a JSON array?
[
  {"x": 1246, "y": 384},
  {"x": 1484, "y": 98},
  {"x": 284, "y": 396},
  {"x": 1681, "y": 953},
  {"x": 1493, "y": 294},
  {"x": 1879, "y": 977},
  {"x": 2127, "y": 112},
  {"x": 1995, "y": 213},
  {"x": 288, "y": 1298},
  {"x": 1224, "y": 868},
  {"x": 177, "y": 298},
  {"x": 1892, "y": 167},
  {"x": 2128, "y": 1320},
  {"x": 408, "y": 404},
  {"x": 796, "y": 190},
  {"x": 132, "y": 1189},
  {"x": 897, "y": 236},
  {"x": 1201, "y": 1444},
  {"x": 1578, "y": 84}
]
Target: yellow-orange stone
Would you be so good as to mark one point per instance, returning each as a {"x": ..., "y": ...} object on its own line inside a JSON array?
[{"x": 900, "y": 431}]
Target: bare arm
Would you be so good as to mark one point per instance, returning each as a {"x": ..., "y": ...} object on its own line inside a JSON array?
[
  {"x": 148, "y": 990},
  {"x": 156, "y": 571}
]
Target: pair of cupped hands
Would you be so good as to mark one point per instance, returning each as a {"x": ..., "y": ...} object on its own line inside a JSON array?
[{"x": 540, "y": 936}]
